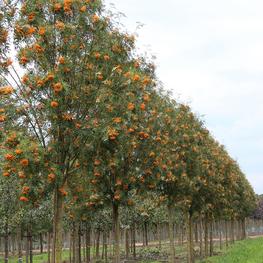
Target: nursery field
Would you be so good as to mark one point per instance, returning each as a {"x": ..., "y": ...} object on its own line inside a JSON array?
[{"x": 98, "y": 161}]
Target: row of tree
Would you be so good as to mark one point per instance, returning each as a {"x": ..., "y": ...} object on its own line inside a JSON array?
[{"x": 85, "y": 125}]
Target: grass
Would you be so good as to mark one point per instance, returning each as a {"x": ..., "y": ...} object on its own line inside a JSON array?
[
  {"x": 247, "y": 251},
  {"x": 36, "y": 259}
]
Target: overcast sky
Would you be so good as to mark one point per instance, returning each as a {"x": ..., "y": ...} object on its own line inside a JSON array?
[{"x": 210, "y": 54}]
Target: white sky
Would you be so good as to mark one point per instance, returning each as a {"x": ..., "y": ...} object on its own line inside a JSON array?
[{"x": 210, "y": 54}]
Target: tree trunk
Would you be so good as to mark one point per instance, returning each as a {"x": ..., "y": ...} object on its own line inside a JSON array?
[
  {"x": 74, "y": 244},
  {"x": 146, "y": 233},
  {"x": 220, "y": 234},
  {"x": 201, "y": 237},
  {"x": 19, "y": 245},
  {"x": 127, "y": 245},
  {"x": 13, "y": 239},
  {"x": 232, "y": 231},
  {"x": 88, "y": 243},
  {"x": 134, "y": 240},
  {"x": 116, "y": 230},
  {"x": 30, "y": 245},
  {"x": 206, "y": 236},
  {"x": 48, "y": 247},
  {"x": 190, "y": 247},
  {"x": 211, "y": 251},
  {"x": 6, "y": 243},
  {"x": 70, "y": 247},
  {"x": 78, "y": 252},
  {"x": 171, "y": 236},
  {"x": 27, "y": 248},
  {"x": 226, "y": 233},
  {"x": 57, "y": 228},
  {"x": 98, "y": 245},
  {"x": 243, "y": 227},
  {"x": 104, "y": 246},
  {"x": 159, "y": 235},
  {"x": 41, "y": 243}
]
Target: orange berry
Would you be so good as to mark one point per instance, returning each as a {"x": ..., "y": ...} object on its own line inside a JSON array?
[
  {"x": 31, "y": 30},
  {"x": 106, "y": 57},
  {"x": 18, "y": 151},
  {"x": 31, "y": 17},
  {"x": 24, "y": 162},
  {"x": 117, "y": 120},
  {"x": 142, "y": 106},
  {"x": 2, "y": 118},
  {"x": 21, "y": 175},
  {"x": 50, "y": 77},
  {"x": 57, "y": 87},
  {"x": 83, "y": 9},
  {"x": 42, "y": 31},
  {"x": 95, "y": 18},
  {"x": 23, "y": 60},
  {"x": 60, "y": 25},
  {"x": 25, "y": 79},
  {"x": 97, "y": 162},
  {"x": 63, "y": 192},
  {"x": 51, "y": 177},
  {"x": 25, "y": 190},
  {"x": 9, "y": 157},
  {"x": 61, "y": 60},
  {"x": 97, "y": 55},
  {"x": 131, "y": 106},
  {"x": 57, "y": 7},
  {"x": 54, "y": 104},
  {"x": 23, "y": 199},
  {"x": 136, "y": 77},
  {"x": 6, "y": 174}
]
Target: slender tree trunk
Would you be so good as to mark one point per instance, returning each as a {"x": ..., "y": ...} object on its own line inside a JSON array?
[
  {"x": 79, "y": 243},
  {"x": 127, "y": 245},
  {"x": 159, "y": 235},
  {"x": 220, "y": 234},
  {"x": 88, "y": 243},
  {"x": 57, "y": 228},
  {"x": 74, "y": 239},
  {"x": 211, "y": 251},
  {"x": 182, "y": 234},
  {"x": 232, "y": 230},
  {"x": 134, "y": 240},
  {"x": 206, "y": 236},
  {"x": 98, "y": 245},
  {"x": 201, "y": 237},
  {"x": 170, "y": 233},
  {"x": 48, "y": 247},
  {"x": 105, "y": 245},
  {"x": 19, "y": 244},
  {"x": 13, "y": 244},
  {"x": 27, "y": 248},
  {"x": 30, "y": 246},
  {"x": 41, "y": 243},
  {"x": 243, "y": 227},
  {"x": 70, "y": 247},
  {"x": 116, "y": 230},
  {"x": 190, "y": 247},
  {"x": 6, "y": 238},
  {"x": 226, "y": 233},
  {"x": 146, "y": 233}
]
